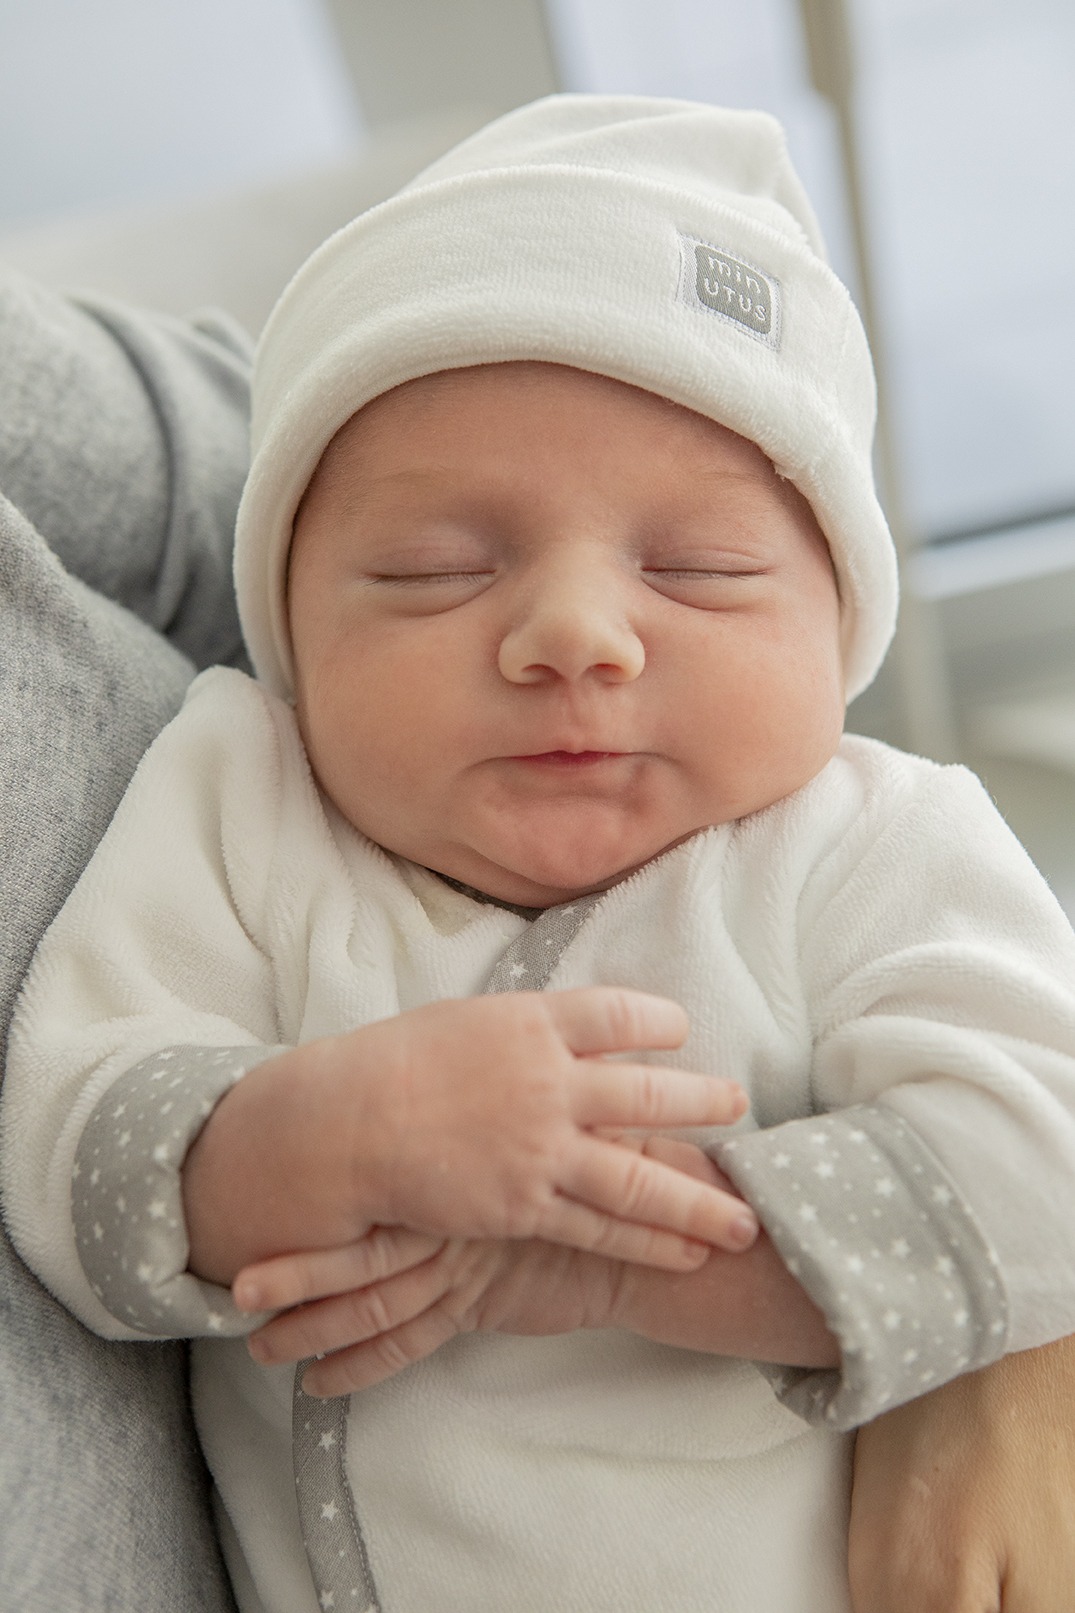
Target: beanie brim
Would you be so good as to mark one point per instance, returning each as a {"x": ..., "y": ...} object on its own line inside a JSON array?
[{"x": 579, "y": 266}]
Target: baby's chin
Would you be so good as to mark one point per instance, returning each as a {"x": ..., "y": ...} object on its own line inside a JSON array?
[{"x": 547, "y": 878}]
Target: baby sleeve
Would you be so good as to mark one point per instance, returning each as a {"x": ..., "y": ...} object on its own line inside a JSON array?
[
  {"x": 149, "y": 996},
  {"x": 927, "y": 1205},
  {"x": 870, "y": 1223},
  {"x": 126, "y": 1197}
]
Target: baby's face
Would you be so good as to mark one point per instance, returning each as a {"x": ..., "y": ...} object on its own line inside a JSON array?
[{"x": 547, "y": 625}]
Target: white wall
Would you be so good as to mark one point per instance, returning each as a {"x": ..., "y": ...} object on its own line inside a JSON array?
[
  {"x": 414, "y": 57},
  {"x": 111, "y": 102},
  {"x": 967, "y": 132}
]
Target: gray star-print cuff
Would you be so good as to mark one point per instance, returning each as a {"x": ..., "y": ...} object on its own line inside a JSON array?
[
  {"x": 126, "y": 1196},
  {"x": 868, "y": 1220}
]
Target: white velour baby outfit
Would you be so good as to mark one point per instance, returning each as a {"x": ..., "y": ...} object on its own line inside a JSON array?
[{"x": 873, "y": 958}]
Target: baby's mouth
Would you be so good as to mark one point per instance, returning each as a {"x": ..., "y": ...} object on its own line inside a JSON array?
[{"x": 570, "y": 758}]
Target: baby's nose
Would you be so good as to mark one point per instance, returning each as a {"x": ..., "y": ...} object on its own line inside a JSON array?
[{"x": 572, "y": 625}]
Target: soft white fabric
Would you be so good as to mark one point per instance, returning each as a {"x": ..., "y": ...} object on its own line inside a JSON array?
[
  {"x": 584, "y": 230},
  {"x": 878, "y": 939}
]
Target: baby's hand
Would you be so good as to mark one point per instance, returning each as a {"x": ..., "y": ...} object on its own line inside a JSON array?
[
  {"x": 468, "y": 1285},
  {"x": 473, "y": 1118},
  {"x": 394, "y": 1297},
  {"x": 743, "y": 1305},
  {"x": 484, "y": 1120}
]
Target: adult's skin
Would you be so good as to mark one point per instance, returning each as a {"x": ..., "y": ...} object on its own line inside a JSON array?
[
  {"x": 122, "y": 452},
  {"x": 963, "y": 1500}
]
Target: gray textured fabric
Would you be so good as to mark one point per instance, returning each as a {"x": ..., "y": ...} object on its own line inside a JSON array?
[
  {"x": 861, "y": 1183},
  {"x": 331, "y": 1533},
  {"x": 126, "y": 1193},
  {"x": 122, "y": 446},
  {"x": 529, "y": 963},
  {"x": 123, "y": 441}
]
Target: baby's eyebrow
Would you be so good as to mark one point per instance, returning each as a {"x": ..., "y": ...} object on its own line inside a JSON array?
[
  {"x": 434, "y": 475},
  {"x": 737, "y": 475},
  {"x": 364, "y": 493},
  {"x": 445, "y": 481}
]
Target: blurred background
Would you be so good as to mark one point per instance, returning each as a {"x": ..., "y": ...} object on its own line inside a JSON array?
[{"x": 185, "y": 152}]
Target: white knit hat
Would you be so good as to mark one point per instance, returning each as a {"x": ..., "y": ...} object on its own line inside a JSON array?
[{"x": 662, "y": 243}]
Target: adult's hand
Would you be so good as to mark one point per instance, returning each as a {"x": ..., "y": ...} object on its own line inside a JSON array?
[{"x": 964, "y": 1500}]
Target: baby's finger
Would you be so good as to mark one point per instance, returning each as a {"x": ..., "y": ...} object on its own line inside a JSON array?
[
  {"x": 651, "y": 1096},
  {"x": 352, "y": 1318},
  {"x": 315, "y": 1274},
  {"x": 683, "y": 1157},
  {"x": 613, "y": 1019},
  {"x": 633, "y": 1188},
  {"x": 579, "y": 1226},
  {"x": 372, "y": 1362}
]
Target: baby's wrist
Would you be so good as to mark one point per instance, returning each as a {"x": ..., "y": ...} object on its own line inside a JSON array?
[
  {"x": 745, "y": 1305},
  {"x": 272, "y": 1170},
  {"x": 207, "y": 1183}
]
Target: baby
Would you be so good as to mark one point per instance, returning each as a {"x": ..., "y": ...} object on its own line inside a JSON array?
[{"x": 558, "y": 561}]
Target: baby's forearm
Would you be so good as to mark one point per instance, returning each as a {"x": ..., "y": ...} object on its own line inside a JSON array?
[
  {"x": 266, "y": 1174},
  {"x": 736, "y": 1304}
]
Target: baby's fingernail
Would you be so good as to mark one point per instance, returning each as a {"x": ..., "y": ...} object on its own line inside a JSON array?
[
  {"x": 694, "y": 1253},
  {"x": 742, "y": 1230},
  {"x": 258, "y": 1349},
  {"x": 247, "y": 1294}
]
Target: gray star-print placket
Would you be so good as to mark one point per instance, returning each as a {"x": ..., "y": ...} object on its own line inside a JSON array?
[{"x": 331, "y": 1530}]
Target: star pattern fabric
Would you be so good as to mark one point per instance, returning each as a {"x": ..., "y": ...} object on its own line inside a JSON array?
[
  {"x": 331, "y": 1533},
  {"x": 126, "y": 1194},
  {"x": 528, "y": 964},
  {"x": 867, "y": 1219}
]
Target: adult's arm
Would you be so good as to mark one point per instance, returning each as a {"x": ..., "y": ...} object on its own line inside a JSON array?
[
  {"x": 123, "y": 442},
  {"x": 962, "y": 1500},
  {"x": 122, "y": 451},
  {"x": 123, "y": 445}
]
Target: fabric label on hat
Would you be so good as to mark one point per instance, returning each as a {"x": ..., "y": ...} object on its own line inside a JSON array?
[{"x": 719, "y": 283}]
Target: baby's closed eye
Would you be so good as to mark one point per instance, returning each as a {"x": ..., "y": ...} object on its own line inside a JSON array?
[{"x": 708, "y": 582}]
